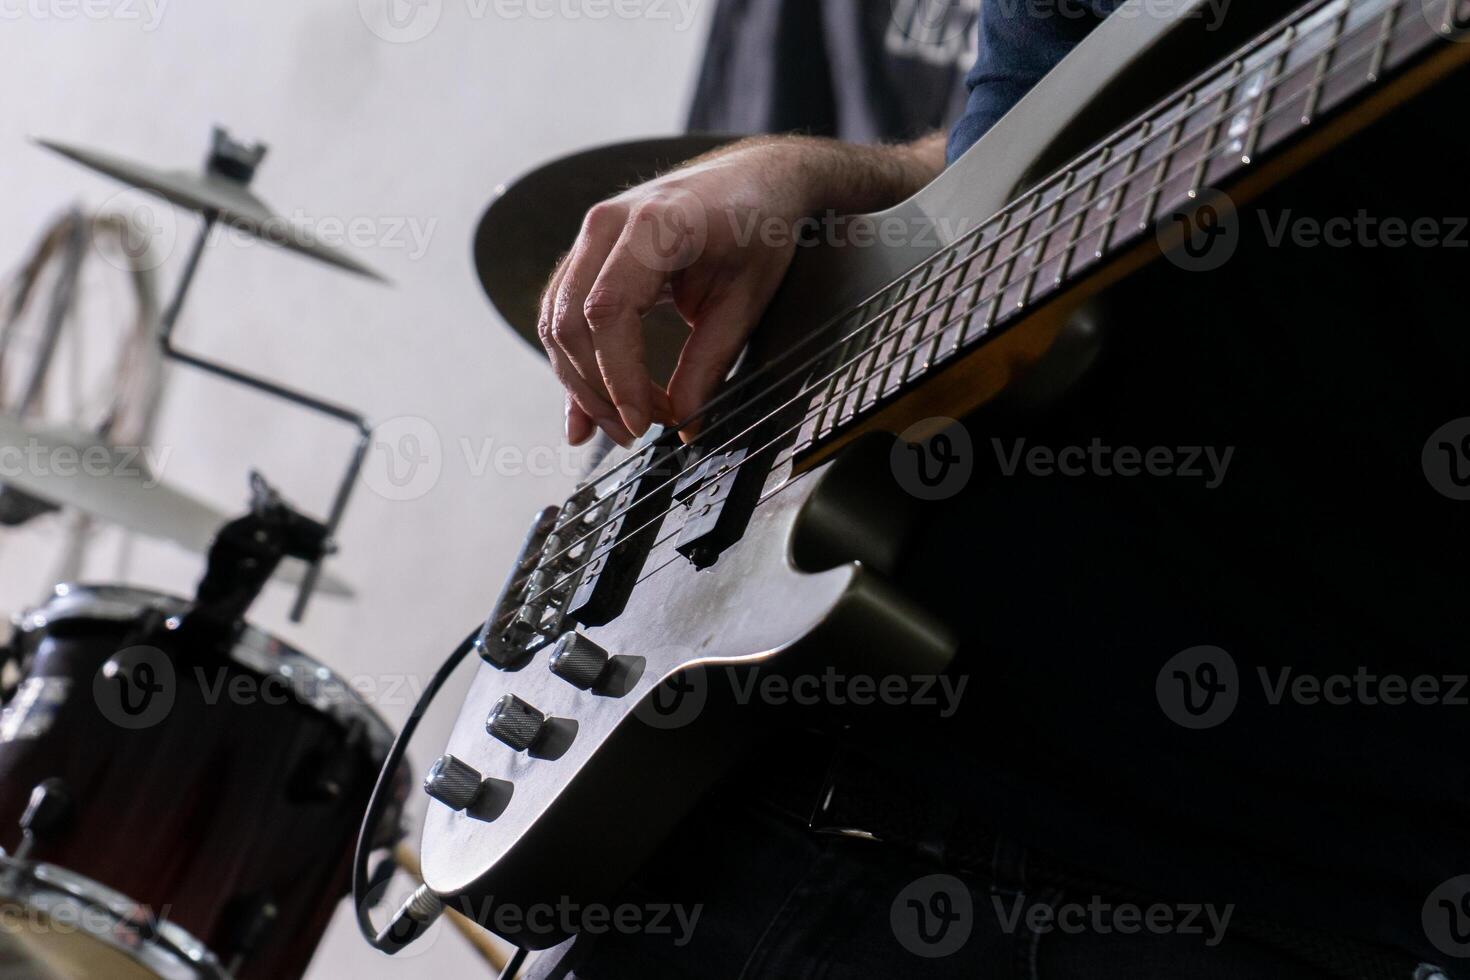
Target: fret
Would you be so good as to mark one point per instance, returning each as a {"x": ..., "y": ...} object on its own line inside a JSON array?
[
  {"x": 950, "y": 327},
  {"x": 1084, "y": 210},
  {"x": 877, "y": 363},
  {"x": 1115, "y": 186},
  {"x": 1196, "y": 180},
  {"x": 1056, "y": 243},
  {"x": 1314, "y": 93},
  {"x": 811, "y": 425},
  {"x": 1355, "y": 51},
  {"x": 1110, "y": 207},
  {"x": 1197, "y": 141},
  {"x": 1411, "y": 35},
  {"x": 1261, "y": 104},
  {"x": 900, "y": 361},
  {"x": 1302, "y": 70},
  {"x": 867, "y": 354},
  {"x": 966, "y": 282},
  {"x": 988, "y": 243},
  {"x": 868, "y": 324},
  {"x": 1167, "y": 148},
  {"x": 894, "y": 309},
  {"x": 1033, "y": 240},
  {"x": 1236, "y": 113},
  {"x": 1380, "y": 49},
  {"x": 988, "y": 290},
  {"x": 831, "y": 396},
  {"x": 1008, "y": 250},
  {"x": 861, "y": 358},
  {"x": 1254, "y": 97}
]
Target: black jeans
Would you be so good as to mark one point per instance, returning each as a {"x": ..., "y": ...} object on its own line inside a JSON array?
[{"x": 745, "y": 891}]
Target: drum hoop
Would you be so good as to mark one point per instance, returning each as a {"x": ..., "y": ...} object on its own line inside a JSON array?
[
  {"x": 314, "y": 685},
  {"x": 165, "y": 948}
]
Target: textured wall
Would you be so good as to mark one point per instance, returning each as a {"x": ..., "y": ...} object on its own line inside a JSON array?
[{"x": 398, "y": 118}]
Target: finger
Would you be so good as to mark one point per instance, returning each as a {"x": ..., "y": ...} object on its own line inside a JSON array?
[
  {"x": 663, "y": 409},
  {"x": 590, "y": 401},
  {"x": 579, "y": 424},
  {"x": 587, "y": 401},
  {"x": 591, "y": 404},
  {"x": 626, "y": 289},
  {"x": 569, "y": 329},
  {"x": 708, "y": 354}
]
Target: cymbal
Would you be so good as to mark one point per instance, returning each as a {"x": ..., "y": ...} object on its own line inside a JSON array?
[
  {"x": 77, "y": 469},
  {"x": 533, "y": 221},
  {"x": 211, "y": 192}
]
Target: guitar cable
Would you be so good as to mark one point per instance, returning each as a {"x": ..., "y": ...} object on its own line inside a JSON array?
[{"x": 423, "y": 907}]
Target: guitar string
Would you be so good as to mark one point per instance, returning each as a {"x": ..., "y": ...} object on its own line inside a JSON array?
[
  {"x": 930, "y": 339},
  {"x": 787, "y": 432},
  {"x": 1260, "y": 47},
  {"x": 1105, "y": 228},
  {"x": 1254, "y": 49}
]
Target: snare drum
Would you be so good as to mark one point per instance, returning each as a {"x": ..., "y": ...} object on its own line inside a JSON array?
[
  {"x": 220, "y": 791},
  {"x": 62, "y": 926}
]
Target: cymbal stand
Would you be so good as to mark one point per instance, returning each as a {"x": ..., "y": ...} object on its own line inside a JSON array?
[{"x": 237, "y": 162}]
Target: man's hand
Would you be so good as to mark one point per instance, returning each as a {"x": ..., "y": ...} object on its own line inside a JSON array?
[{"x": 713, "y": 237}]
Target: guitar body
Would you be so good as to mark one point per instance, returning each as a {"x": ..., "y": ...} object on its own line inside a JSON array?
[
  {"x": 802, "y": 586},
  {"x": 636, "y": 777}
]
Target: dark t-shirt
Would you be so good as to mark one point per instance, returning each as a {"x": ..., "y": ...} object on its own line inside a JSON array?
[
  {"x": 1324, "y": 555},
  {"x": 860, "y": 70},
  {"x": 1018, "y": 45}
]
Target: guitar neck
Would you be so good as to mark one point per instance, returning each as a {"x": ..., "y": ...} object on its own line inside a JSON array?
[{"x": 1229, "y": 124}]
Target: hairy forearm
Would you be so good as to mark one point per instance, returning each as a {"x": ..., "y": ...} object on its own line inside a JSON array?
[
  {"x": 824, "y": 175},
  {"x": 734, "y": 219}
]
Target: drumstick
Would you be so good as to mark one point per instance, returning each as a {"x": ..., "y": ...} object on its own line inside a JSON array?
[{"x": 477, "y": 937}]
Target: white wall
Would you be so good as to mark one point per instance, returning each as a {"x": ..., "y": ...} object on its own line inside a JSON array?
[{"x": 359, "y": 126}]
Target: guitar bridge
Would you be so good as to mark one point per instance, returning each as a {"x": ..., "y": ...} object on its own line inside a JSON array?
[{"x": 529, "y": 612}]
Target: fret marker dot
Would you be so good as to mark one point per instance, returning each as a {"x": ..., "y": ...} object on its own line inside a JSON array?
[{"x": 1245, "y": 158}]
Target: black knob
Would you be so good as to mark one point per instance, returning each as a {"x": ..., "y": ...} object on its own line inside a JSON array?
[
  {"x": 453, "y": 783},
  {"x": 515, "y": 722},
  {"x": 578, "y": 660}
]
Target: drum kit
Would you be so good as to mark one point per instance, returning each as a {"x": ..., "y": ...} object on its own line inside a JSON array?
[{"x": 183, "y": 790}]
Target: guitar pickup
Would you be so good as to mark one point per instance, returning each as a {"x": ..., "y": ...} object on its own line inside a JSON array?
[
  {"x": 622, "y": 545},
  {"x": 719, "y": 496}
]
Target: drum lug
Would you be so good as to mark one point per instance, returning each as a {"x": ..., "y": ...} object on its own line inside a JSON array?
[{"x": 49, "y": 809}]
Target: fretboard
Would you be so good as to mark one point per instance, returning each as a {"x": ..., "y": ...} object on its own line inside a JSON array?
[{"x": 1214, "y": 129}]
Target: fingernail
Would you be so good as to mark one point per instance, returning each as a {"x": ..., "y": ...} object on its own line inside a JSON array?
[
  {"x": 635, "y": 419},
  {"x": 579, "y": 430},
  {"x": 613, "y": 426}
]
